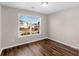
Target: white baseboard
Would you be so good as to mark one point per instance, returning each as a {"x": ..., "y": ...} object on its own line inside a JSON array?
[
  {"x": 65, "y": 43},
  {"x": 38, "y": 40},
  {"x": 22, "y": 43}
]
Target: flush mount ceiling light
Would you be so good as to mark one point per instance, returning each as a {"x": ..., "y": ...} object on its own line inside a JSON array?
[{"x": 44, "y": 4}]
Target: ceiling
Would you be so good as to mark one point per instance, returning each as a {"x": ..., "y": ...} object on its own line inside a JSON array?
[{"x": 35, "y": 6}]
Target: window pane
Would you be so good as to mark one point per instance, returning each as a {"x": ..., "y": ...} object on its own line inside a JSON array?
[
  {"x": 35, "y": 25},
  {"x": 29, "y": 25},
  {"x": 24, "y": 25}
]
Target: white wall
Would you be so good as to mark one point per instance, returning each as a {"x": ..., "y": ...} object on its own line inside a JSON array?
[
  {"x": 63, "y": 26},
  {"x": 10, "y": 27}
]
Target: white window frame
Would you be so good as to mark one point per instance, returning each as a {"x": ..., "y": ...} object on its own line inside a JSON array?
[{"x": 30, "y": 26}]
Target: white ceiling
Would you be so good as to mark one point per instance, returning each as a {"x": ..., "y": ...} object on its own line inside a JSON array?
[{"x": 35, "y": 6}]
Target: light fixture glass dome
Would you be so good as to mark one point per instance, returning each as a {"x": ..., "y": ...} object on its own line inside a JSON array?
[{"x": 44, "y": 4}]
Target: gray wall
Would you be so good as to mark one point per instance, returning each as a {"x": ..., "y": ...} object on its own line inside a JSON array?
[
  {"x": 63, "y": 27},
  {"x": 10, "y": 27},
  {"x": 0, "y": 28}
]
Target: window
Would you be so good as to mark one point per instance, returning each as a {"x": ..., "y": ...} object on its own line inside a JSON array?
[{"x": 29, "y": 25}]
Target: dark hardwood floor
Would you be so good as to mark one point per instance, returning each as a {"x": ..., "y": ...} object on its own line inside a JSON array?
[{"x": 44, "y": 47}]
